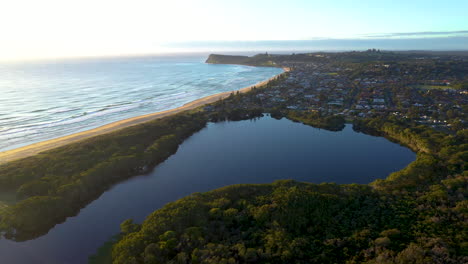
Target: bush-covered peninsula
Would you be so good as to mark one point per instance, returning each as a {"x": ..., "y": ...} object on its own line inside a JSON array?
[{"x": 57, "y": 183}]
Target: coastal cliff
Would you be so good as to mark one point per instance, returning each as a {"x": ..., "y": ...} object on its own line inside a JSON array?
[
  {"x": 226, "y": 59},
  {"x": 264, "y": 60}
]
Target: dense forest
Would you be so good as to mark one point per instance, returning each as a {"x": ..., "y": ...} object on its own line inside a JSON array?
[
  {"x": 416, "y": 215},
  {"x": 332, "y": 123}
]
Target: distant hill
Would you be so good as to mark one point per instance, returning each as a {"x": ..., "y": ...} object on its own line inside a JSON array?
[
  {"x": 224, "y": 59},
  {"x": 278, "y": 60},
  {"x": 257, "y": 60},
  {"x": 440, "y": 52}
]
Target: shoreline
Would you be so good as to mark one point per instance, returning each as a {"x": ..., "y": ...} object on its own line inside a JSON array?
[{"x": 36, "y": 148}]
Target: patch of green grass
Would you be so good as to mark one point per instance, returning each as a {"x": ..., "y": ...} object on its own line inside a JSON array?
[{"x": 431, "y": 87}]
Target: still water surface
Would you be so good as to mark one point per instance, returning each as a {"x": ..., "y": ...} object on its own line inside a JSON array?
[{"x": 252, "y": 151}]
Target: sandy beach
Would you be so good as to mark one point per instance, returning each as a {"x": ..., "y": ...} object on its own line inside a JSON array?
[{"x": 36, "y": 148}]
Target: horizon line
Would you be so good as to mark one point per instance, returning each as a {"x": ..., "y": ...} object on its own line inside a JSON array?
[{"x": 281, "y": 51}]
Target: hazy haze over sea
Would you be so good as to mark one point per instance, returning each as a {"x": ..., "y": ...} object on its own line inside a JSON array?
[{"x": 45, "y": 100}]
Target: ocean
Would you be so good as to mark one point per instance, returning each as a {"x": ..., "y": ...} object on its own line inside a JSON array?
[{"x": 49, "y": 99}]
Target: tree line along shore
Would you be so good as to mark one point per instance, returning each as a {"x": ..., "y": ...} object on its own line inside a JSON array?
[{"x": 416, "y": 214}]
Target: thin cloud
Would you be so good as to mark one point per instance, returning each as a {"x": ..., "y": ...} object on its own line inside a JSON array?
[{"x": 418, "y": 34}]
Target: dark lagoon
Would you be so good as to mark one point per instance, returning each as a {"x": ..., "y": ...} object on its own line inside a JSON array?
[{"x": 252, "y": 151}]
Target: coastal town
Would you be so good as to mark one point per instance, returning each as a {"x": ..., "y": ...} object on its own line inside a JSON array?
[{"x": 428, "y": 89}]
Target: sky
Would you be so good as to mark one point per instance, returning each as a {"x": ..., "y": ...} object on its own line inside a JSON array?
[{"x": 57, "y": 28}]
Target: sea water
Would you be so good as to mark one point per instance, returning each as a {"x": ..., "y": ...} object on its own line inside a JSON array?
[{"x": 49, "y": 99}]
